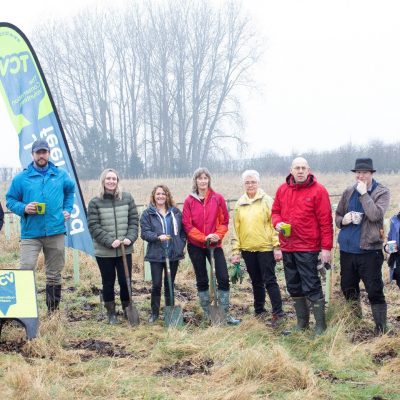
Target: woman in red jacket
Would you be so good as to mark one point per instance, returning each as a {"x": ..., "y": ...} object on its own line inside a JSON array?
[{"x": 206, "y": 217}]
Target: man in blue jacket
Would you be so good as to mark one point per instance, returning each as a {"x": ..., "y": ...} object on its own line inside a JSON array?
[{"x": 43, "y": 196}]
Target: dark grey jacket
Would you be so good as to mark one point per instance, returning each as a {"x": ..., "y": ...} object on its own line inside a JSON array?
[
  {"x": 151, "y": 228},
  {"x": 110, "y": 219},
  {"x": 375, "y": 206}
]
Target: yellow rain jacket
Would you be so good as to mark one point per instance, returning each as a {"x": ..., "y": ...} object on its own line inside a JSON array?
[{"x": 253, "y": 225}]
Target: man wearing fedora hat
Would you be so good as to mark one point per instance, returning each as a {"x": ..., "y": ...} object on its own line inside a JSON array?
[{"x": 359, "y": 215}]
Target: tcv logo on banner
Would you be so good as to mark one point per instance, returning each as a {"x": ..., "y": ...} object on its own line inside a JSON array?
[
  {"x": 33, "y": 114},
  {"x": 18, "y": 299}
]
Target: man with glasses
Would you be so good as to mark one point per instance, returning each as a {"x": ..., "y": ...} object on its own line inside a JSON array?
[
  {"x": 302, "y": 215},
  {"x": 359, "y": 216}
]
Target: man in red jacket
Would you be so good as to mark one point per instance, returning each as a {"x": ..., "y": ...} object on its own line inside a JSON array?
[{"x": 304, "y": 203}]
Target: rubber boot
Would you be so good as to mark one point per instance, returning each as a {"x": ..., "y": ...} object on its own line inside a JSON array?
[
  {"x": 204, "y": 298},
  {"x": 111, "y": 314},
  {"x": 319, "y": 315},
  {"x": 224, "y": 301},
  {"x": 379, "y": 313},
  {"x": 125, "y": 304},
  {"x": 302, "y": 313},
  {"x": 155, "y": 309},
  {"x": 53, "y": 297}
]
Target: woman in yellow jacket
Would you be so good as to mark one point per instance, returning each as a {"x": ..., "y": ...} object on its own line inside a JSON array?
[{"x": 257, "y": 242}]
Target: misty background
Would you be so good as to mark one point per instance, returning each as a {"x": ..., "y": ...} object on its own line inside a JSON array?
[{"x": 161, "y": 88}]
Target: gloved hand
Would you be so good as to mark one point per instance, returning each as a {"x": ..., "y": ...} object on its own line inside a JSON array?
[
  {"x": 361, "y": 187},
  {"x": 346, "y": 219},
  {"x": 236, "y": 274}
]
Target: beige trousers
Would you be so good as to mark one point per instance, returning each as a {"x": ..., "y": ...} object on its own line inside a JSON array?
[{"x": 54, "y": 256}]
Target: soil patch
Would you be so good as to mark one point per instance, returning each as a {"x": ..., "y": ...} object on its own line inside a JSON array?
[
  {"x": 72, "y": 317},
  {"x": 13, "y": 347},
  {"x": 362, "y": 335},
  {"x": 101, "y": 348},
  {"x": 186, "y": 368},
  {"x": 380, "y": 358}
]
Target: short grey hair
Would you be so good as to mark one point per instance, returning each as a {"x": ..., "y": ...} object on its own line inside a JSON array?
[{"x": 252, "y": 173}]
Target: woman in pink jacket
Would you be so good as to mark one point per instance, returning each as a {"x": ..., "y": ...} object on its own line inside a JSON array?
[{"x": 205, "y": 218}]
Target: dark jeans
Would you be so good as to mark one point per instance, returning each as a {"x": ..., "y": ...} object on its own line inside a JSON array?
[
  {"x": 396, "y": 275},
  {"x": 157, "y": 269},
  {"x": 261, "y": 268},
  {"x": 109, "y": 268},
  {"x": 198, "y": 257},
  {"x": 366, "y": 267},
  {"x": 301, "y": 274}
]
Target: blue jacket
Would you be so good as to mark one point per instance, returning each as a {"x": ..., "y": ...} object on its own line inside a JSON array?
[
  {"x": 55, "y": 188},
  {"x": 152, "y": 226},
  {"x": 394, "y": 231}
]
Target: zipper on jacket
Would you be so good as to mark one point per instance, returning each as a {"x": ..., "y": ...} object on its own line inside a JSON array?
[{"x": 115, "y": 223}]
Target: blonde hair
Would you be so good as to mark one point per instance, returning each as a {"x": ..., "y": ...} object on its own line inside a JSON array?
[
  {"x": 169, "y": 202},
  {"x": 102, "y": 179},
  {"x": 196, "y": 174}
]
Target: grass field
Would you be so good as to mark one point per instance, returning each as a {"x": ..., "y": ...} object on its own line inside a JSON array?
[{"x": 77, "y": 355}]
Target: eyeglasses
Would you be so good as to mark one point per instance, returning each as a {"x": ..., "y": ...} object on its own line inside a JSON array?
[{"x": 250, "y": 183}]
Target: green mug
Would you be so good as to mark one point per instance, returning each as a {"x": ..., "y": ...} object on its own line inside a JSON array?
[
  {"x": 286, "y": 229},
  {"x": 40, "y": 208}
]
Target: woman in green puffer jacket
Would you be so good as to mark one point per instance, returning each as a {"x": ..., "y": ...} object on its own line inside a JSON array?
[{"x": 113, "y": 222}]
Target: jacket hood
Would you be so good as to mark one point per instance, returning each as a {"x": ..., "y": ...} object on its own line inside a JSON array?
[
  {"x": 245, "y": 199},
  {"x": 311, "y": 180}
]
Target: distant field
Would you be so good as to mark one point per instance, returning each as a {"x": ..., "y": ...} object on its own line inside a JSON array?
[{"x": 231, "y": 187}]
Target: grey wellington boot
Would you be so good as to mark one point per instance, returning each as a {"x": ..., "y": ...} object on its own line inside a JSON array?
[
  {"x": 204, "y": 298},
  {"x": 224, "y": 301},
  {"x": 111, "y": 314},
  {"x": 155, "y": 309},
  {"x": 319, "y": 315},
  {"x": 302, "y": 313},
  {"x": 379, "y": 312}
]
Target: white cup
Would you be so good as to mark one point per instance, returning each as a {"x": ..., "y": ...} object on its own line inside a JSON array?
[
  {"x": 391, "y": 246},
  {"x": 356, "y": 217}
]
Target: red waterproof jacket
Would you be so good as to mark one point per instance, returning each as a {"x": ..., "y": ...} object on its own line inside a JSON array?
[
  {"x": 307, "y": 208},
  {"x": 200, "y": 218}
]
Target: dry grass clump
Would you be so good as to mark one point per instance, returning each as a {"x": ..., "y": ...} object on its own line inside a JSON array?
[{"x": 272, "y": 367}]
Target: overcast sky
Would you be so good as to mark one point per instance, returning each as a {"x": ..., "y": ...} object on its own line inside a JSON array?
[{"x": 330, "y": 71}]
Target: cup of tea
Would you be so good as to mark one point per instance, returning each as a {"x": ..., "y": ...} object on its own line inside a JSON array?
[
  {"x": 391, "y": 246},
  {"x": 40, "y": 208},
  {"x": 356, "y": 217},
  {"x": 286, "y": 229}
]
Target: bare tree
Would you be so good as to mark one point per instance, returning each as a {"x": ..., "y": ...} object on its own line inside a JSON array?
[{"x": 159, "y": 81}]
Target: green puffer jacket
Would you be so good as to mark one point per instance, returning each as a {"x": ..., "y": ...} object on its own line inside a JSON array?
[{"x": 110, "y": 219}]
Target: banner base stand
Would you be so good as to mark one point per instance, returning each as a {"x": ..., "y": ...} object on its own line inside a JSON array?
[{"x": 31, "y": 326}]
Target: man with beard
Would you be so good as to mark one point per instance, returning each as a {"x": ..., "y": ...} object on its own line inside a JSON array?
[{"x": 43, "y": 196}]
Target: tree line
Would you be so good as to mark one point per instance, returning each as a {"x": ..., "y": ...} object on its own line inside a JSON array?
[
  {"x": 151, "y": 88},
  {"x": 341, "y": 159}
]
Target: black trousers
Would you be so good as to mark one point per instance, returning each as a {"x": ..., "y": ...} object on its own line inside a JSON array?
[
  {"x": 261, "y": 268},
  {"x": 157, "y": 269},
  {"x": 198, "y": 257},
  {"x": 110, "y": 267},
  {"x": 301, "y": 274},
  {"x": 366, "y": 267}
]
